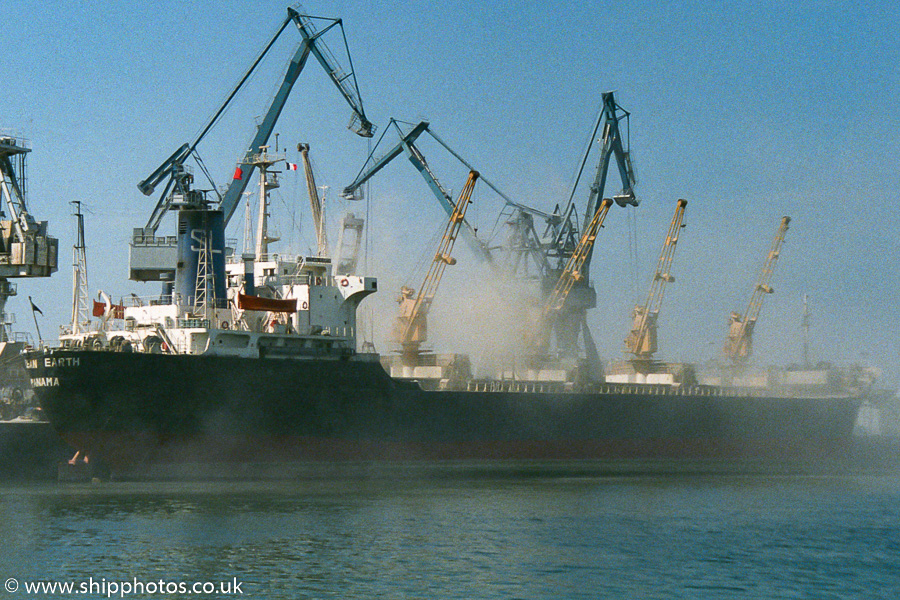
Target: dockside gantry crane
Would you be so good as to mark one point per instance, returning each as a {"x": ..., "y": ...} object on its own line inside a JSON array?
[
  {"x": 642, "y": 339},
  {"x": 407, "y": 145},
  {"x": 26, "y": 249},
  {"x": 548, "y": 252},
  {"x": 572, "y": 274},
  {"x": 740, "y": 328},
  {"x": 411, "y": 327},
  {"x": 154, "y": 258},
  {"x": 570, "y": 318}
]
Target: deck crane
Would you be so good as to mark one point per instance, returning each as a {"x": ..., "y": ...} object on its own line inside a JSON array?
[
  {"x": 315, "y": 203},
  {"x": 740, "y": 329},
  {"x": 641, "y": 340},
  {"x": 153, "y": 258},
  {"x": 411, "y": 328}
]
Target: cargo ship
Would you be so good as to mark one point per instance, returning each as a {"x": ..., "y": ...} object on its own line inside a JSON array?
[
  {"x": 269, "y": 378},
  {"x": 290, "y": 399},
  {"x": 252, "y": 358}
]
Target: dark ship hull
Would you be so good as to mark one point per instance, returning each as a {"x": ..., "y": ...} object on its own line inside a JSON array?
[
  {"x": 136, "y": 410},
  {"x": 29, "y": 447}
]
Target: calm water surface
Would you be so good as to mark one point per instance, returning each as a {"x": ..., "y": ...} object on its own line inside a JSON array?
[{"x": 467, "y": 537}]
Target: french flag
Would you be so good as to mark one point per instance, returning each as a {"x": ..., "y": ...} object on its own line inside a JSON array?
[{"x": 292, "y": 166}]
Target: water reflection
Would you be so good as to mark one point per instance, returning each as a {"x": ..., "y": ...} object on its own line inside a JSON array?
[{"x": 574, "y": 537}]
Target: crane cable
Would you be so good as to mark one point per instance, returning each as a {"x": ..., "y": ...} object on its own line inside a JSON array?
[{"x": 633, "y": 254}]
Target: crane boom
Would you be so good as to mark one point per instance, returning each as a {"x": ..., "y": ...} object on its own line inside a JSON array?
[
  {"x": 642, "y": 340},
  {"x": 315, "y": 203},
  {"x": 612, "y": 145},
  {"x": 411, "y": 326},
  {"x": 232, "y": 196},
  {"x": 310, "y": 44},
  {"x": 406, "y": 145},
  {"x": 571, "y": 274},
  {"x": 359, "y": 123},
  {"x": 521, "y": 217},
  {"x": 740, "y": 332},
  {"x": 365, "y": 174}
]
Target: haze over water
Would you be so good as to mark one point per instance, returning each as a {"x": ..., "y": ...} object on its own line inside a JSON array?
[{"x": 510, "y": 536}]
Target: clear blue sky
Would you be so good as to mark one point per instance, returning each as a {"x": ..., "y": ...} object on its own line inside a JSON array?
[{"x": 750, "y": 111}]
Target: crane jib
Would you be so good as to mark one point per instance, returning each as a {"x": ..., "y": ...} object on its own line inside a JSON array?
[{"x": 312, "y": 42}]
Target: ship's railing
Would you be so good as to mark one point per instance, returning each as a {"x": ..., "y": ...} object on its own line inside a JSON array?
[
  {"x": 235, "y": 258},
  {"x": 134, "y": 300},
  {"x": 643, "y": 389},
  {"x": 8, "y": 139},
  {"x": 530, "y": 387},
  {"x": 297, "y": 261},
  {"x": 142, "y": 239},
  {"x": 23, "y": 337},
  {"x": 623, "y": 389}
]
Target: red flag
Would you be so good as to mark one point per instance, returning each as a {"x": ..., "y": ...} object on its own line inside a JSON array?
[
  {"x": 118, "y": 310},
  {"x": 238, "y": 173}
]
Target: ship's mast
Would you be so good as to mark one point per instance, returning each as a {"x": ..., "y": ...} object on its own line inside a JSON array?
[
  {"x": 268, "y": 180},
  {"x": 248, "y": 226},
  {"x": 81, "y": 319}
]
